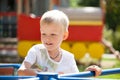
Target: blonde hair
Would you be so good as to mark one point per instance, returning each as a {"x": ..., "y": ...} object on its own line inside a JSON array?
[{"x": 55, "y": 16}]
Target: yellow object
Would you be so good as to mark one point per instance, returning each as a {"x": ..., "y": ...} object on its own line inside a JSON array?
[
  {"x": 65, "y": 46},
  {"x": 86, "y": 22},
  {"x": 24, "y": 46},
  {"x": 96, "y": 50},
  {"x": 79, "y": 50}
]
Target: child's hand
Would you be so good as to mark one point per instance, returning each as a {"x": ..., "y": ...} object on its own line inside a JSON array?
[
  {"x": 38, "y": 70},
  {"x": 95, "y": 68}
]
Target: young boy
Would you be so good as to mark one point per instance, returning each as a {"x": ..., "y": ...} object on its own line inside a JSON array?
[{"x": 48, "y": 56}]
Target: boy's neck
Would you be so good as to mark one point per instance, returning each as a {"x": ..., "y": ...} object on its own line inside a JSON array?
[{"x": 55, "y": 55}]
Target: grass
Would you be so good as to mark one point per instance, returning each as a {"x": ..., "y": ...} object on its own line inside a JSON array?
[
  {"x": 108, "y": 61},
  {"x": 113, "y": 76}
]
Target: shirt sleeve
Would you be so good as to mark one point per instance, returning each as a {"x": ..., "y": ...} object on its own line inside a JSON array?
[
  {"x": 31, "y": 56},
  {"x": 74, "y": 67}
]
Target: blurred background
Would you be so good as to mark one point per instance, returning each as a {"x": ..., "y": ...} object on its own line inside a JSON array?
[{"x": 91, "y": 21}]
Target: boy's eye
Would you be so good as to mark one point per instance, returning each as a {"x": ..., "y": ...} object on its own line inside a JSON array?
[
  {"x": 43, "y": 34},
  {"x": 53, "y": 34}
]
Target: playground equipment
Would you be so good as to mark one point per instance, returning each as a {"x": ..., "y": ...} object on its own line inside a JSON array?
[
  {"x": 86, "y": 25},
  {"x": 88, "y": 75},
  {"x": 9, "y": 69}
]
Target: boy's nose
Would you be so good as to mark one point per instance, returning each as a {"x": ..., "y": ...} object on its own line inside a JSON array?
[{"x": 48, "y": 38}]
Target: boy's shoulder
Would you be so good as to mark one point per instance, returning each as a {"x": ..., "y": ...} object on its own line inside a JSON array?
[
  {"x": 67, "y": 53},
  {"x": 67, "y": 56}
]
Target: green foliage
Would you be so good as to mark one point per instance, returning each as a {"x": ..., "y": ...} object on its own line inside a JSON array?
[
  {"x": 118, "y": 28},
  {"x": 113, "y": 13},
  {"x": 106, "y": 77},
  {"x": 74, "y": 3},
  {"x": 94, "y": 3},
  {"x": 113, "y": 37},
  {"x": 112, "y": 76},
  {"x": 112, "y": 10},
  {"x": 116, "y": 41},
  {"x": 108, "y": 34}
]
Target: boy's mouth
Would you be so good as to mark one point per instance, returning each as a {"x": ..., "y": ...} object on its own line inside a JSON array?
[{"x": 48, "y": 44}]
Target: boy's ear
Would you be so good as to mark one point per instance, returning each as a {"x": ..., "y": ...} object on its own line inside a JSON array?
[{"x": 66, "y": 34}]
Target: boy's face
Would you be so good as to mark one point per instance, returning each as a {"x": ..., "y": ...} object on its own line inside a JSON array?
[{"x": 52, "y": 35}]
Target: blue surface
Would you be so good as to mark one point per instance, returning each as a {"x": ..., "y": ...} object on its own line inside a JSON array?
[
  {"x": 10, "y": 65},
  {"x": 15, "y": 77},
  {"x": 55, "y": 76}
]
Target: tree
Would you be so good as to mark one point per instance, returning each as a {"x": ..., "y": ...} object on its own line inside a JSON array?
[
  {"x": 113, "y": 13},
  {"x": 94, "y": 3}
]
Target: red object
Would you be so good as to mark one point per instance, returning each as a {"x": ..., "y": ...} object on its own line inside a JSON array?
[
  {"x": 29, "y": 29},
  {"x": 85, "y": 33},
  {"x": 6, "y": 71},
  {"x": 8, "y": 14}
]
